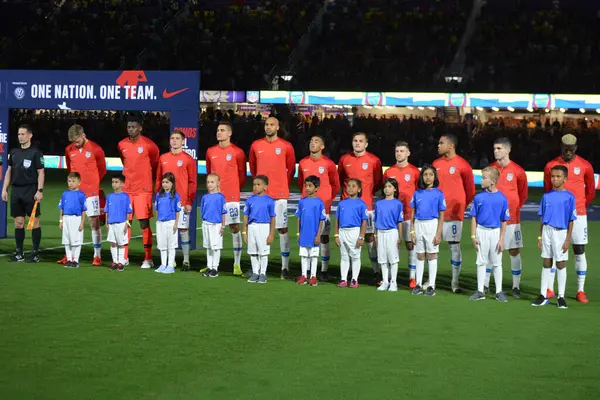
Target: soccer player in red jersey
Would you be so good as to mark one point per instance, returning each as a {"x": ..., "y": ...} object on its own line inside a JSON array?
[
  {"x": 229, "y": 162},
  {"x": 318, "y": 165},
  {"x": 87, "y": 158},
  {"x": 140, "y": 161},
  {"x": 275, "y": 158},
  {"x": 458, "y": 185},
  {"x": 184, "y": 167},
  {"x": 512, "y": 184},
  {"x": 407, "y": 176},
  {"x": 581, "y": 183},
  {"x": 366, "y": 167}
]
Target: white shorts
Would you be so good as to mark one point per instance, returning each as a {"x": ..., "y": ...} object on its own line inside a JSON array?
[
  {"x": 71, "y": 234},
  {"x": 452, "y": 231},
  {"x": 184, "y": 220},
  {"x": 326, "y": 225},
  {"x": 281, "y": 217},
  {"x": 387, "y": 247},
  {"x": 211, "y": 236},
  {"x": 233, "y": 213},
  {"x": 92, "y": 204},
  {"x": 370, "y": 222},
  {"x": 165, "y": 238},
  {"x": 552, "y": 242},
  {"x": 257, "y": 239},
  {"x": 348, "y": 239},
  {"x": 488, "y": 241},
  {"x": 513, "y": 239},
  {"x": 309, "y": 251},
  {"x": 579, "y": 234},
  {"x": 425, "y": 231},
  {"x": 406, "y": 228},
  {"x": 116, "y": 234}
]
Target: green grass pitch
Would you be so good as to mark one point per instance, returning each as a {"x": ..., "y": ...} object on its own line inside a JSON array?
[{"x": 93, "y": 334}]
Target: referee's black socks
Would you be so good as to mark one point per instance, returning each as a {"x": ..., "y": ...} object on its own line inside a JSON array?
[
  {"x": 36, "y": 238},
  {"x": 19, "y": 239}
]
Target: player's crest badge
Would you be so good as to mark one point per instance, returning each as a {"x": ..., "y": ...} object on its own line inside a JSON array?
[
  {"x": 406, "y": 177},
  {"x": 577, "y": 170},
  {"x": 278, "y": 150},
  {"x": 509, "y": 177},
  {"x": 321, "y": 170},
  {"x": 27, "y": 163},
  {"x": 140, "y": 149},
  {"x": 179, "y": 163},
  {"x": 228, "y": 157},
  {"x": 452, "y": 170},
  {"x": 365, "y": 166},
  {"x": 88, "y": 154}
]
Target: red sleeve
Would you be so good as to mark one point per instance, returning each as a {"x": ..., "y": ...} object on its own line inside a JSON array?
[
  {"x": 100, "y": 161},
  {"x": 192, "y": 171},
  {"x": 590, "y": 185},
  {"x": 468, "y": 182},
  {"x": 241, "y": 163},
  {"x": 377, "y": 176},
  {"x": 68, "y": 159},
  {"x": 154, "y": 155},
  {"x": 300, "y": 176},
  {"x": 334, "y": 179},
  {"x": 252, "y": 161},
  {"x": 121, "y": 155},
  {"x": 547, "y": 181},
  {"x": 290, "y": 163},
  {"x": 522, "y": 187},
  {"x": 159, "y": 174},
  {"x": 341, "y": 172},
  {"x": 207, "y": 160}
]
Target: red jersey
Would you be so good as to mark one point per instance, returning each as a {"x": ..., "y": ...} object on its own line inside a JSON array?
[
  {"x": 230, "y": 164},
  {"x": 367, "y": 169},
  {"x": 184, "y": 167},
  {"x": 325, "y": 169},
  {"x": 580, "y": 181},
  {"x": 408, "y": 180},
  {"x": 90, "y": 163},
  {"x": 513, "y": 185},
  {"x": 140, "y": 160},
  {"x": 277, "y": 161},
  {"x": 458, "y": 185}
]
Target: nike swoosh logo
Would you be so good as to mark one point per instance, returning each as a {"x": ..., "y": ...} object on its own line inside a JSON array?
[
  {"x": 348, "y": 165},
  {"x": 168, "y": 95},
  {"x": 165, "y": 162},
  {"x": 214, "y": 156},
  {"x": 260, "y": 151},
  {"x": 304, "y": 170}
]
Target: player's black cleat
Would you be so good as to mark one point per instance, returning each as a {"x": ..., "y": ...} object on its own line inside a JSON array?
[
  {"x": 562, "y": 303},
  {"x": 540, "y": 301},
  {"x": 17, "y": 257},
  {"x": 324, "y": 276},
  {"x": 213, "y": 273},
  {"x": 285, "y": 274},
  {"x": 34, "y": 258}
]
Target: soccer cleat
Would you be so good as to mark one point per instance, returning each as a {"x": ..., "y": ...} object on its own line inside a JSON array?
[
  {"x": 97, "y": 262},
  {"x": 262, "y": 278},
  {"x": 69, "y": 264},
  {"x": 412, "y": 283},
  {"x": 455, "y": 287},
  {"x": 285, "y": 274},
  {"x": 253, "y": 278},
  {"x": 501, "y": 297},
  {"x": 169, "y": 270},
  {"x": 562, "y": 303},
  {"x": 313, "y": 281},
  {"x": 353, "y": 284},
  {"x": 120, "y": 268},
  {"x": 34, "y": 258},
  {"x": 62, "y": 261},
  {"x": 324, "y": 277},
  {"x": 417, "y": 290},
  {"x": 74, "y": 264},
  {"x": 18, "y": 257},
  {"x": 237, "y": 270},
  {"x": 486, "y": 290},
  {"x": 516, "y": 292},
  {"x": 185, "y": 266},
  {"x": 393, "y": 287},
  {"x": 206, "y": 272},
  {"x": 581, "y": 297},
  {"x": 302, "y": 280},
  {"x": 213, "y": 273},
  {"x": 477, "y": 296},
  {"x": 384, "y": 286},
  {"x": 540, "y": 301},
  {"x": 147, "y": 264},
  {"x": 342, "y": 284},
  {"x": 113, "y": 267},
  {"x": 550, "y": 294},
  {"x": 430, "y": 291},
  {"x": 161, "y": 269}
]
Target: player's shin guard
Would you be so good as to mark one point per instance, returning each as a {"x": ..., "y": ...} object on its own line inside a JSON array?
[
  {"x": 185, "y": 245},
  {"x": 456, "y": 261},
  {"x": 68, "y": 252},
  {"x": 284, "y": 245},
  {"x": 325, "y": 256},
  {"x": 304, "y": 264},
  {"x": 76, "y": 253},
  {"x": 412, "y": 264},
  {"x": 355, "y": 268},
  {"x": 516, "y": 268},
  {"x": 488, "y": 276},
  {"x": 373, "y": 256},
  {"x": 114, "y": 254},
  {"x": 385, "y": 272},
  {"x": 97, "y": 242},
  {"x": 264, "y": 262},
  {"x": 498, "y": 278},
  {"x": 344, "y": 268},
  {"x": 420, "y": 270},
  {"x": 313, "y": 266},
  {"x": 480, "y": 277},
  {"x": 237, "y": 247},
  {"x": 147, "y": 240},
  {"x": 216, "y": 259},
  {"x": 581, "y": 269},
  {"x": 163, "y": 258},
  {"x": 393, "y": 272},
  {"x": 255, "y": 262},
  {"x": 121, "y": 255},
  {"x": 545, "y": 281},
  {"x": 562, "y": 281},
  {"x": 433, "y": 267},
  {"x": 171, "y": 258},
  {"x": 209, "y": 258}
]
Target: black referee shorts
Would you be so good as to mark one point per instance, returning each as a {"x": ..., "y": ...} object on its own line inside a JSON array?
[{"x": 21, "y": 201}]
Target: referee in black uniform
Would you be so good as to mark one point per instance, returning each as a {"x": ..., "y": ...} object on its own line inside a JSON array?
[{"x": 26, "y": 174}]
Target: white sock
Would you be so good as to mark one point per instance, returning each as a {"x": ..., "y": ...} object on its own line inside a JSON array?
[
  {"x": 498, "y": 277},
  {"x": 185, "y": 245},
  {"x": 581, "y": 269},
  {"x": 480, "y": 277},
  {"x": 355, "y": 268},
  {"x": 433, "y": 265},
  {"x": 171, "y": 257},
  {"x": 284, "y": 245},
  {"x": 552, "y": 276},
  {"x": 114, "y": 254},
  {"x": 420, "y": 270},
  {"x": 385, "y": 272},
  {"x": 209, "y": 258},
  {"x": 68, "y": 252},
  {"x": 237, "y": 247},
  {"x": 76, "y": 252},
  {"x": 255, "y": 261},
  {"x": 393, "y": 272},
  {"x": 216, "y": 259},
  {"x": 456, "y": 261},
  {"x": 412, "y": 264},
  {"x": 372, "y": 256},
  {"x": 344, "y": 268},
  {"x": 121, "y": 254},
  {"x": 264, "y": 261},
  {"x": 516, "y": 268},
  {"x": 163, "y": 258},
  {"x": 488, "y": 276},
  {"x": 545, "y": 281},
  {"x": 314, "y": 261},
  {"x": 562, "y": 281},
  {"x": 304, "y": 261},
  {"x": 97, "y": 241},
  {"x": 325, "y": 256}
]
